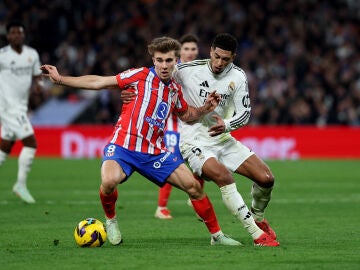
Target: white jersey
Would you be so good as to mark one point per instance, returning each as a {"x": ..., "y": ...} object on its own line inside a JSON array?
[
  {"x": 16, "y": 73},
  {"x": 198, "y": 82}
]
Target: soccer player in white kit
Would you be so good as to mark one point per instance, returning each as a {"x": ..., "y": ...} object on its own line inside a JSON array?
[
  {"x": 19, "y": 68},
  {"x": 209, "y": 148}
]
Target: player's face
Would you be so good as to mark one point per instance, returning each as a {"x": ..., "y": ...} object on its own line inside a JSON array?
[
  {"x": 189, "y": 52},
  {"x": 220, "y": 59},
  {"x": 16, "y": 36},
  {"x": 164, "y": 64}
]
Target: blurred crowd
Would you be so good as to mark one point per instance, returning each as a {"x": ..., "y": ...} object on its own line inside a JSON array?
[{"x": 302, "y": 57}]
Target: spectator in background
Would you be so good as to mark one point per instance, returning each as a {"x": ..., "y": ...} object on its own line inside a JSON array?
[{"x": 288, "y": 48}]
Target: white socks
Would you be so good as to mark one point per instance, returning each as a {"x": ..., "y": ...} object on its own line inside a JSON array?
[
  {"x": 261, "y": 197},
  {"x": 236, "y": 205},
  {"x": 3, "y": 156},
  {"x": 218, "y": 233},
  {"x": 26, "y": 158}
]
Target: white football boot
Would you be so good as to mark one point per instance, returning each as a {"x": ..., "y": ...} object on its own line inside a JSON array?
[
  {"x": 113, "y": 231},
  {"x": 23, "y": 193},
  {"x": 224, "y": 240}
]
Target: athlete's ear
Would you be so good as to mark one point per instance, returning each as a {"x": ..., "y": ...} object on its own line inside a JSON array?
[
  {"x": 233, "y": 57},
  {"x": 211, "y": 50},
  {"x": 153, "y": 58}
]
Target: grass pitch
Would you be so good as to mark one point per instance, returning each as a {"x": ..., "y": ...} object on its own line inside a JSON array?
[{"x": 314, "y": 211}]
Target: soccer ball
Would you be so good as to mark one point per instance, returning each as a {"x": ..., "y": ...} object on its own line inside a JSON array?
[{"x": 90, "y": 232}]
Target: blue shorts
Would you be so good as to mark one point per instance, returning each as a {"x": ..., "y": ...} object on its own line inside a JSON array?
[{"x": 156, "y": 168}]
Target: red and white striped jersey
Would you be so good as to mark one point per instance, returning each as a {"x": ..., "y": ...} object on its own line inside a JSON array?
[
  {"x": 141, "y": 123},
  {"x": 173, "y": 123}
]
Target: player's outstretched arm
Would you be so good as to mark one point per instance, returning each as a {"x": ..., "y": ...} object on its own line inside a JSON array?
[
  {"x": 193, "y": 113},
  {"x": 91, "y": 82}
]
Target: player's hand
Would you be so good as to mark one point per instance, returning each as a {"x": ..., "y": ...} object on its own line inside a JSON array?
[
  {"x": 218, "y": 128},
  {"x": 212, "y": 101},
  {"x": 52, "y": 73},
  {"x": 128, "y": 95}
]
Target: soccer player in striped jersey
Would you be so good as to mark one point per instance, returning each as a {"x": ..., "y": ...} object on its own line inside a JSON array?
[
  {"x": 188, "y": 52},
  {"x": 19, "y": 71},
  {"x": 137, "y": 140},
  {"x": 208, "y": 146}
]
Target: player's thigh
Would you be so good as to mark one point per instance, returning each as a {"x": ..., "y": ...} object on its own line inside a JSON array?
[
  {"x": 217, "y": 172},
  {"x": 112, "y": 173},
  {"x": 233, "y": 154},
  {"x": 183, "y": 179},
  {"x": 257, "y": 170}
]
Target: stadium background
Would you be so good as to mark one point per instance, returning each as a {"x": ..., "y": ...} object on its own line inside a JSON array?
[
  {"x": 302, "y": 61},
  {"x": 301, "y": 58}
]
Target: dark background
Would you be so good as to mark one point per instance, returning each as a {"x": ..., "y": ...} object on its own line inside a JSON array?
[{"x": 301, "y": 57}]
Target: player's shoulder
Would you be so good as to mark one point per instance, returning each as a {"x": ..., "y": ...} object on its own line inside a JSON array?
[
  {"x": 237, "y": 71},
  {"x": 4, "y": 49},
  {"x": 192, "y": 64},
  {"x": 29, "y": 49},
  {"x": 134, "y": 71}
]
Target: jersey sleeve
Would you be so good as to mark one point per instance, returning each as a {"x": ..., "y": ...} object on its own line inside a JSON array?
[
  {"x": 128, "y": 77},
  {"x": 242, "y": 107},
  {"x": 36, "y": 71},
  {"x": 177, "y": 75}
]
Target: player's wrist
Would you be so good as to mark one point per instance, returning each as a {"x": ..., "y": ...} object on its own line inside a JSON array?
[
  {"x": 227, "y": 126},
  {"x": 59, "y": 80}
]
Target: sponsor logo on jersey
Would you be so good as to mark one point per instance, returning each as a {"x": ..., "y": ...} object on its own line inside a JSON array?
[
  {"x": 154, "y": 122},
  {"x": 204, "y": 83},
  {"x": 162, "y": 110},
  {"x": 161, "y": 114}
]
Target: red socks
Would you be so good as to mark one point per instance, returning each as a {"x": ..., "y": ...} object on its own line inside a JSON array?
[
  {"x": 108, "y": 203},
  {"x": 164, "y": 194},
  {"x": 205, "y": 210}
]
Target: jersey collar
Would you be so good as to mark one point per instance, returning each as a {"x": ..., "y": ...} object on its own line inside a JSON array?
[{"x": 152, "y": 69}]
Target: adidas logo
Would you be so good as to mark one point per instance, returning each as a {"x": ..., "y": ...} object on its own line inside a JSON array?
[{"x": 204, "y": 83}]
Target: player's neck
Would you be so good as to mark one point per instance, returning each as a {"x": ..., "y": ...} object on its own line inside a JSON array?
[{"x": 17, "y": 48}]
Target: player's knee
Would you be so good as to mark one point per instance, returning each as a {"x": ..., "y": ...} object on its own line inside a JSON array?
[
  {"x": 267, "y": 180},
  {"x": 110, "y": 181},
  {"x": 6, "y": 146},
  {"x": 108, "y": 185},
  {"x": 194, "y": 190}
]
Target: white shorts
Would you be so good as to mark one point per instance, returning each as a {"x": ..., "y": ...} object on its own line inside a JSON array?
[
  {"x": 15, "y": 125},
  {"x": 231, "y": 153}
]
